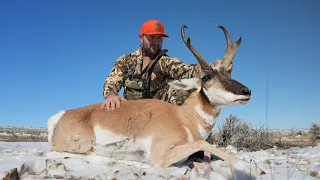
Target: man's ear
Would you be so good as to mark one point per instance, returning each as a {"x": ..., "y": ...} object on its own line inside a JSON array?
[
  {"x": 140, "y": 37},
  {"x": 185, "y": 84}
]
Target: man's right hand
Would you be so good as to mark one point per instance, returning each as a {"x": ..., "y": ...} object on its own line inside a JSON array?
[{"x": 113, "y": 101}]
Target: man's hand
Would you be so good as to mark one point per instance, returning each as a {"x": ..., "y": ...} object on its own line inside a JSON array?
[
  {"x": 218, "y": 62},
  {"x": 113, "y": 101}
]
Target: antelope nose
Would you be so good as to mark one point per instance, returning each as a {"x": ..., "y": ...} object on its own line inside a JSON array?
[{"x": 245, "y": 91}]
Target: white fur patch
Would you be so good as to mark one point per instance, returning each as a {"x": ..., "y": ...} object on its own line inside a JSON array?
[
  {"x": 52, "y": 122},
  {"x": 219, "y": 107},
  {"x": 104, "y": 136},
  {"x": 204, "y": 134},
  {"x": 223, "y": 98},
  {"x": 220, "y": 97},
  {"x": 185, "y": 84},
  {"x": 189, "y": 135},
  {"x": 120, "y": 147},
  {"x": 206, "y": 117}
]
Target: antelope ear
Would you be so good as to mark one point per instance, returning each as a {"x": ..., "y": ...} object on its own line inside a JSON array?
[{"x": 185, "y": 84}]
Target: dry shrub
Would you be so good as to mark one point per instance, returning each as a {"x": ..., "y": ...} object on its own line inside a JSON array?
[
  {"x": 245, "y": 136},
  {"x": 314, "y": 174},
  {"x": 241, "y": 135},
  {"x": 296, "y": 132},
  {"x": 315, "y": 133}
]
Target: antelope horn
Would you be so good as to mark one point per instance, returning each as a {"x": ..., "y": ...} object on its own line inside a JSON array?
[
  {"x": 231, "y": 49},
  {"x": 203, "y": 64}
]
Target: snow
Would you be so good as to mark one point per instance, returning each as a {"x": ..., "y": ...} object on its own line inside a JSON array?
[
  {"x": 35, "y": 160},
  {"x": 294, "y": 163}
]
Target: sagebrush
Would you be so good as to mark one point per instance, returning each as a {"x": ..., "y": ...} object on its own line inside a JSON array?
[
  {"x": 241, "y": 135},
  {"x": 315, "y": 133},
  {"x": 244, "y": 136}
]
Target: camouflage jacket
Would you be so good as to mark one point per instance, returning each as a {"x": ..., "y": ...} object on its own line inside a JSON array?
[{"x": 126, "y": 73}]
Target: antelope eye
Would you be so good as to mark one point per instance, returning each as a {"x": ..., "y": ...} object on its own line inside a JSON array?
[{"x": 206, "y": 78}]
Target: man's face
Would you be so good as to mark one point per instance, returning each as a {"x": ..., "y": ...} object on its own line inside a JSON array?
[{"x": 151, "y": 43}]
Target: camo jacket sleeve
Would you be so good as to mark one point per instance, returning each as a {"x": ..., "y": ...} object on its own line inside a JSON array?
[
  {"x": 114, "y": 81},
  {"x": 176, "y": 69}
]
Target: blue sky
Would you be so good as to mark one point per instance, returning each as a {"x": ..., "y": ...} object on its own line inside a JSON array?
[{"x": 56, "y": 55}]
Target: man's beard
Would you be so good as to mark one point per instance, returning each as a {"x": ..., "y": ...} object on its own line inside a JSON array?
[{"x": 152, "y": 51}]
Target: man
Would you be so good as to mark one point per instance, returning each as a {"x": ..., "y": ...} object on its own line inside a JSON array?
[{"x": 143, "y": 73}]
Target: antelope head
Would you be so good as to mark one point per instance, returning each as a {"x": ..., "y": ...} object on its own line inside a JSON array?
[{"x": 215, "y": 82}]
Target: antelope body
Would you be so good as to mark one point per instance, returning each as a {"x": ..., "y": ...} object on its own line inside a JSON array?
[{"x": 151, "y": 130}]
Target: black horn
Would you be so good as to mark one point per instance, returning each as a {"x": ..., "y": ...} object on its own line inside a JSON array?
[
  {"x": 231, "y": 48},
  {"x": 204, "y": 65}
]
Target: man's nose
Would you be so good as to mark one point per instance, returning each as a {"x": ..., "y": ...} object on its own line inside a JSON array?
[{"x": 156, "y": 42}]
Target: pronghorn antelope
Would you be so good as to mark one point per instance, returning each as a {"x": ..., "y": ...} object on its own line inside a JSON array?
[{"x": 151, "y": 130}]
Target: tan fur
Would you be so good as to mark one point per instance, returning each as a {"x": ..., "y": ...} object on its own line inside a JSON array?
[{"x": 136, "y": 118}]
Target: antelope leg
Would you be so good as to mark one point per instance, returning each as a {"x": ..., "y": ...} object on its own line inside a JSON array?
[{"x": 181, "y": 152}]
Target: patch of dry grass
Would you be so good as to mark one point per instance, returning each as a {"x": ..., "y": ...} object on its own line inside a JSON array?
[
  {"x": 23, "y": 134},
  {"x": 245, "y": 136}
]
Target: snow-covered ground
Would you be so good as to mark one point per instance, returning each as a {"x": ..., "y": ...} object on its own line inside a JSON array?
[{"x": 34, "y": 160}]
